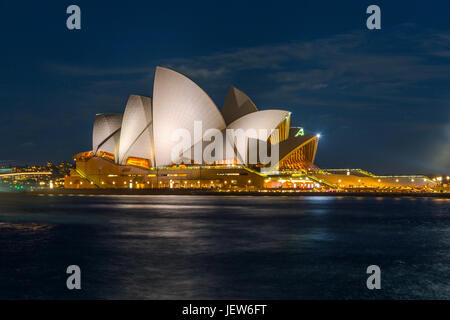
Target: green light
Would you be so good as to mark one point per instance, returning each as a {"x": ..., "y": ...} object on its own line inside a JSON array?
[{"x": 300, "y": 132}]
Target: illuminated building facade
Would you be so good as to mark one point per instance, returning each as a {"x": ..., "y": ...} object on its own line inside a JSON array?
[{"x": 135, "y": 150}]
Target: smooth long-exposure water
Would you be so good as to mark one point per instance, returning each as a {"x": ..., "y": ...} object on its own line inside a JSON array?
[{"x": 208, "y": 247}]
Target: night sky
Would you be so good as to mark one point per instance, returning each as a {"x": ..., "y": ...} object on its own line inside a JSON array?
[{"x": 380, "y": 98}]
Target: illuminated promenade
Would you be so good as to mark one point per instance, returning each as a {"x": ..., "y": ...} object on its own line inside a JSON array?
[{"x": 25, "y": 173}]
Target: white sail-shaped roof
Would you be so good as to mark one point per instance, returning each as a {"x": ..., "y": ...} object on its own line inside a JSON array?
[
  {"x": 237, "y": 104},
  {"x": 265, "y": 119},
  {"x": 106, "y": 132},
  {"x": 250, "y": 126},
  {"x": 177, "y": 103},
  {"x": 136, "y": 136},
  {"x": 257, "y": 125}
]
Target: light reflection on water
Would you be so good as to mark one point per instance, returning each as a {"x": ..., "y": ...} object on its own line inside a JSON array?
[
  {"x": 159, "y": 247},
  {"x": 30, "y": 227}
]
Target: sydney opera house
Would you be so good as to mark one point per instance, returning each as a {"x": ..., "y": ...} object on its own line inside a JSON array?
[{"x": 135, "y": 150}]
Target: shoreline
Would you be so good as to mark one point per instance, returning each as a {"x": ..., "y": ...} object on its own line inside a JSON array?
[{"x": 289, "y": 193}]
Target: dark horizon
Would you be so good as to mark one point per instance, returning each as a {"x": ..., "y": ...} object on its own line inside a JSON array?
[{"x": 379, "y": 99}]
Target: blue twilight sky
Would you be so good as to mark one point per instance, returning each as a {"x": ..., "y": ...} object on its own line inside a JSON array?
[{"x": 380, "y": 99}]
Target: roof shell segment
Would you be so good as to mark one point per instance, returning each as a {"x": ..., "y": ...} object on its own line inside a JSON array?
[
  {"x": 265, "y": 119},
  {"x": 237, "y": 104},
  {"x": 136, "y": 137},
  {"x": 257, "y": 125},
  {"x": 297, "y": 152},
  {"x": 106, "y": 132},
  {"x": 292, "y": 143},
  {"x": 177, "y": 103}
]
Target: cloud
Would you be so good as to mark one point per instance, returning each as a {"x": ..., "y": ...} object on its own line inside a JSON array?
[
  {"x": 203, "y": 73},
  {"x": 441, "y": 150},
  {"x": 344, "y": 66},
  {"x": 345, "y": 70},
  {"x": 28, "y": 144},
  {"x": 71, "y": 70}
]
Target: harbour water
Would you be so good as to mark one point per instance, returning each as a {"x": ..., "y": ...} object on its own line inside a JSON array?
[{"x": 228, "y": 247}]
